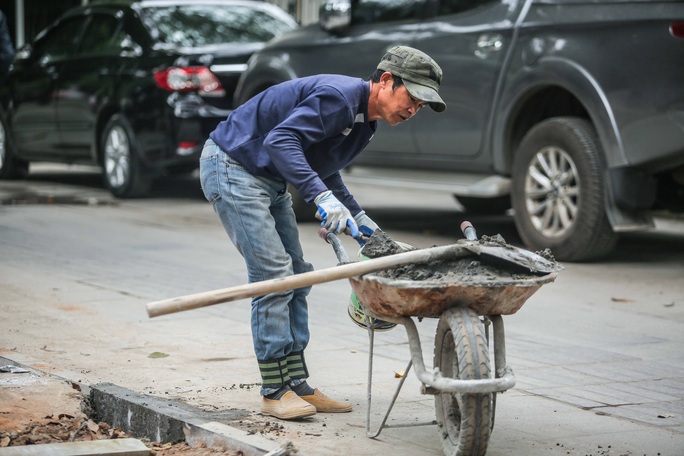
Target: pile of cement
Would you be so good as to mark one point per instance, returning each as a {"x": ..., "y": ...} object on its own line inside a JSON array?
[
  {"x": 462, "y": 270},
  {"x": 380, "y": 244}
]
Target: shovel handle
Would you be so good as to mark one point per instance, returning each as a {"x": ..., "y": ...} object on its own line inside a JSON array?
[
  {"x": 469, "y": 231},
  {"x": 305, "y": 279}
]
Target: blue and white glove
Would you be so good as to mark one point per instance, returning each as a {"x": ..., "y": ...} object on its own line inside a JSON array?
[
  {"x": 366, "y": 226},
  {"x": 336, "y": 217}
]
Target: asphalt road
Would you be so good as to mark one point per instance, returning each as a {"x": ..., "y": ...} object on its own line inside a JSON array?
[{"x": 598, "y": 354}]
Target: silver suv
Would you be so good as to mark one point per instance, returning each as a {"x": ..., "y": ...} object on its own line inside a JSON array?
[{"x": 572, "y": 112}]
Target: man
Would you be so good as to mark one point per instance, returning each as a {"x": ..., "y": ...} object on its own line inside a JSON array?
[{"x": 302, "y": 132}]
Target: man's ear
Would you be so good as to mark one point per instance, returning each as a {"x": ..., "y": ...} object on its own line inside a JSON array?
[{"x": 387, "y": 78}]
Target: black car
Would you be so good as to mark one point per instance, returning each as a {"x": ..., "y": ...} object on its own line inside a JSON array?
[{"x": 135, "y": 87}]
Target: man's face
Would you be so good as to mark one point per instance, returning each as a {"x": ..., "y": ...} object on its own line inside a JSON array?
[{"x": 396, "y": 106}]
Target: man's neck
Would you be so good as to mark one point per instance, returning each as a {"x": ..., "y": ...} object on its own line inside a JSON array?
[{"x": 373, "y": 113}]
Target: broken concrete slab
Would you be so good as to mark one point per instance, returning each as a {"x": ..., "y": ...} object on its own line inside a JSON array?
[{"x": 116, "y": 447}]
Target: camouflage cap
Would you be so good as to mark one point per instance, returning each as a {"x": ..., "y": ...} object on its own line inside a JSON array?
[{"x": 421, "y": 74}]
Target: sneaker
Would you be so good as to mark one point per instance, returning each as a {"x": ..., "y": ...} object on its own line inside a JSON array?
[
  {"x": 324, "y": 404},
  {"x": 288, "y": 407}
]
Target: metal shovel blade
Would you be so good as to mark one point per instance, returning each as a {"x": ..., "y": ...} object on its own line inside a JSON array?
[{"x": 512, "y": 258}]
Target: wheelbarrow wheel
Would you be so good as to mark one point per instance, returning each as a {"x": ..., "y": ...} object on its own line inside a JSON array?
[{"x": 461, "y": 352}]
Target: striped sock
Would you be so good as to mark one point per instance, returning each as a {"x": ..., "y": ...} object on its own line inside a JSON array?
[
  {"x": 274, "y": 373},
  {"x": 296, "y": 366}
]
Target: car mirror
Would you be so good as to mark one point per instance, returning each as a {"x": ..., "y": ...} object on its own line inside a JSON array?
[{"x": 335, "y": 15}]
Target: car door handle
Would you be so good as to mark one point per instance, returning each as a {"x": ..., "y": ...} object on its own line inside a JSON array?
[{"x": 487, "y": 44}]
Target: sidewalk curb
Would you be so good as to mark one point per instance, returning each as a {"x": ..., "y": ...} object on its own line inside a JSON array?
[
  {"x": 159, "y": 420},
  {"x": 162, "y": 420}
]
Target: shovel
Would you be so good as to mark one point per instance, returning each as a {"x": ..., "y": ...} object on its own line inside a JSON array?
[
  {"x": 496, "y": 252},
  {"x": 510, "y": 256}
]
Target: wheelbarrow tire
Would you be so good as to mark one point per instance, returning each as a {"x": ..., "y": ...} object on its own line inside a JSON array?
[{"x": 461, "y": 352}]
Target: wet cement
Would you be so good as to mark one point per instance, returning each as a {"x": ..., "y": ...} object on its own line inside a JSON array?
[{"x": 464, "y": 270}]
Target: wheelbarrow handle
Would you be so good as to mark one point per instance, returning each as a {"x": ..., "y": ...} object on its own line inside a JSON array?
[{"x": 332, "y": 239}]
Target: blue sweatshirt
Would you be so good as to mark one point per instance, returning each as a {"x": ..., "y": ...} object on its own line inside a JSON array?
[{"x": 303, "y": 131}]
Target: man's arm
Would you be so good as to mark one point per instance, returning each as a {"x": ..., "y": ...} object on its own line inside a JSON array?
[{"x": 322, "y": 115}]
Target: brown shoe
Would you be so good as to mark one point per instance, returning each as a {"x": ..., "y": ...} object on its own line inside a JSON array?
[
  {"x": 288, "y": 407},
  {"x": 326, "y": 405}
]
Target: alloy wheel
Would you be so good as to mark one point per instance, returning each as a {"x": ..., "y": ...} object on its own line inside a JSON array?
[
  {"x": 117, "y": 157},
  {"x": 552, "y": 192}
]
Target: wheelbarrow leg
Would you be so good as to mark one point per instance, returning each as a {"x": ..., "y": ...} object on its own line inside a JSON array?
[
  {"x": 499, "y": 345},
  {"x": 487, "y": 325},
  {"x": 500, "y": 367},
  {"x": 414, "y": 344},
  {"x": 371, "y": 339}
]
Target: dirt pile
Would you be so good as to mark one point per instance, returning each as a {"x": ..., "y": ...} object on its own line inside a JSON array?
[
  {"x": 36, "y": 409},
  {"x": 66, "y": 428}
]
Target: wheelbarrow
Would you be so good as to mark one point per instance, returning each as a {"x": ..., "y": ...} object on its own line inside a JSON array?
[{"x": 462, "y": 380}]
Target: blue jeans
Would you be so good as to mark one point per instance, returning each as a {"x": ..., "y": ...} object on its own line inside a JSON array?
[{"x": 257, "y": 214}]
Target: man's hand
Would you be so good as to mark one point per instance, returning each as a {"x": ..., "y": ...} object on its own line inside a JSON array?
[
  {"x": 366, "y": 226},
  {"x": 336, "y": 217}
]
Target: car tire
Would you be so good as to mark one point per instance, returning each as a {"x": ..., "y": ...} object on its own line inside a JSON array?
[
  {"x": 10, "y": 166},
  {"x": 125, "y": 176},
  {"x": 558, "y": 191}
]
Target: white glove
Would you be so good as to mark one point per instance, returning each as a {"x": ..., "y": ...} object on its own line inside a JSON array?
[
  {"x": 336, "y": 217},
  {"x": 366, "y": 226}
]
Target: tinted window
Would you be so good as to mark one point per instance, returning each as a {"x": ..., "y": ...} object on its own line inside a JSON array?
[
  {"x": 60, "y": 41},
  {"x": 98, "y": 37},
  {"x": 372, "y": 11},
  {"x": 202, "y": 25}
]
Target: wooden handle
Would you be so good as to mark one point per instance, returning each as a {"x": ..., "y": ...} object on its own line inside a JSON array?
[{"x": 208, "y": 298}]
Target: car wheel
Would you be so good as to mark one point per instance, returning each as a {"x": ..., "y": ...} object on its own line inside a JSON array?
[
  {"x": 10, "y": 166},
  {"x": 485, "y": 206},
  {"x": 558, "y": 191},
  {"x": 124, "y": 174}
]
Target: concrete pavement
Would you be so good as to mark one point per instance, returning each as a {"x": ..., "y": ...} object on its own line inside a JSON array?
[{"x": 597, "y": 354}]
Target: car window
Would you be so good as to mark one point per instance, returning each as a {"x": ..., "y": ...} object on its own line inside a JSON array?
[
  {"x": 203, "y": 25},
  {"x": 373, "y": 11},
  {"x": 458, "y": 6},
  {"x": 59, "y": 42},
  {"x": 98, "y": 37}
]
